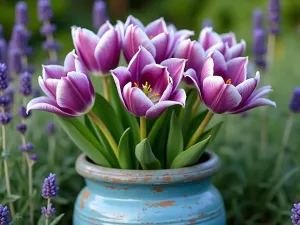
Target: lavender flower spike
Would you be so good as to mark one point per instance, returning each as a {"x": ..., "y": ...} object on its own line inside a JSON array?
[
  {"x": 259, "y": 48},
  {"x": 68, "y": 88},
  {"x": 4, "y": 215},
  {"x": 147, "y": 89},
  {"x": 50, "y": 128},
  {"x": 3, "y": 46},
  {"x": 295, "y": 101},
  {"x": 257, "y": 19},
  {"x": 50, "y": 189},
  {"x": 274, "y": 16},
  {"x": 33, "y": 157},
  {"x": 224, "y": 87},
  {"x": 296, "y": 214},
  {"x": 99, "y": 13},
  {"x": 44, "y": 10},
  {"x": 22, "y": 13},
  {"x": 47, "y": 212},
  {"x": 3, "y": 77},
  {"x": 25, "y": 84}
]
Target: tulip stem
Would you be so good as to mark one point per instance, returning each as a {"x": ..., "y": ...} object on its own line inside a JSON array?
[
  {"x": 106, "y": 88},
  {"x": 143, "y": 127},
  {"x": 196, "y": 106},
  {"x": 106, "y": 133},
  {"x": 200, "y": 129},
  {"x": 287, "y": 131},
  {"x": 271, "y": 49}
]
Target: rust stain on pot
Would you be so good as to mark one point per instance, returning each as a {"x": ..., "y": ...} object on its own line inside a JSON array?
[
  {"x": 132, "y": 180},
  {"x": 115, "y": 188},
  {"x": 116, "y": 180},
  {"x": 192, "y": 221},
  {"x": 167, "y": 178},
  {"x": 157, "y": 189},
  {"x": 161, "y": 204},
  {"x": 85, "y": 195},
  {"x": 147, "y": 178},
  {"x": 202, "y": 215}
]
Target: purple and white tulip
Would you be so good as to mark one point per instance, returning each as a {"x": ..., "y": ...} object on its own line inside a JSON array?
[
  {"x": 224, "y": 43},
  {"x": 100, "y": 52},
  {"x": 224, "y": 87},
  {"x": 68, "y": 88},
  {"x": 158, "y": 38},
  {"x": 146, "y": 88}
]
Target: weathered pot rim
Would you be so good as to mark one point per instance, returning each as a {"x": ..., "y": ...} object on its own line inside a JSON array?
[{"x": 166, "y": 176}]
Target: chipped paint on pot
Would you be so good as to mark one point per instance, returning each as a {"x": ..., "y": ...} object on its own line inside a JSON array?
[{"x": 174, "y": 196}]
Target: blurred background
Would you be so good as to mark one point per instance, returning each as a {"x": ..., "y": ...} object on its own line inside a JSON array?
[{"x": 253, "y": 193}]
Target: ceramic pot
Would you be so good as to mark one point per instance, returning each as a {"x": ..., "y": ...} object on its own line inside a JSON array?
[{"x": 172, "y": 196}]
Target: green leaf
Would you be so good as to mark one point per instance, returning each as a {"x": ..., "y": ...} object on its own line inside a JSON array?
[
  {"x": 107, "y": 114},
  {"x": 42, "y": 220},
  {"x": 85, "y": 140},
  {"x": 190, "y": 156},
  {"x": 212, "y": 132},
  {"x": 175, "y": 140},
  {"x": 185, "y": 115},
  {"x": 124, "y": 151},
  {"x": 16, "y": 220},
  {"x": 57, "y": 219},
  {"x": 146, "y": 157},
  {"x": 9, "y": 199}
]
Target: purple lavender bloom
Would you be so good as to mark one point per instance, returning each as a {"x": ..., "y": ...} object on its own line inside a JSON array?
[
  {"x": 51, "y": 45},
  {"x": 27, "y": 148},
  {"x": 259, "y": 42},
  {"x": 4, "y": 101},
  {"x": 5, "y": 118},
  {"x": 3, "y": 77},
  {"x": 25, "y": 84},
  {"x": 62, "y": 85},
  {"x": 48, "y": 212},
  {"x": 50, "y": 189},
  {"x": 33, "y": 157},
  {"x": 44, "y": 10},
  {"x": 36, "y": 92},
  {"x": 48, "y": 29},
  {"x": 4, "y": 215},
  {"x": 296, "y": 214},
  {"x": 274, "y": 16},
  {"x": 14, "y": 60},
  {"x": 207, "y": 23},
  {"x": 21, "y": 127},
  {"x": 148, "y": 89},
  {"x": 22, "y": 13},
  {"x": 50, "y": 128},
  {"x": 224, "y": 88},
  {"x": 295, "y": 101},
  {"x": 22, "y": 112},
  {"x": 20, "y": 38},
  {"x": 3, "y": 46},
  {"x": 257, "y": 19},
  {"x": 99, "y": 13}
]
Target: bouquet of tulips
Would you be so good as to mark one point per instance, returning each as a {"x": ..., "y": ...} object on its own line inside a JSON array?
[{"x": 148, "y": 114}]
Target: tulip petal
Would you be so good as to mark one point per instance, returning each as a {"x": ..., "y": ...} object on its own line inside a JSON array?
[
  {"x": 260, "y": 92},
  {"x": 134, "y": 38},
  {"x": 209, "y": 38},
  {"x": 49, "y": 87},
  {"x": 220, "y": 67},
  {"x": 120, "y": 27},
  {"x": 176, "y": 68},
  {"x": 53, "y": 71},
  {"x": 136, "y": 101},
  {"x": 68, "y": 97},
  {"x": 218, "y": 96},
  {"x": 157, "y": 109},
  {"x": 229, "y": 38},
  {"x": 255, "y": 103},
  {"x": 69, "y": 63},
  {"x": 108, "y": 50},
  {"x": 156, "y": 76},
  {"x": 121, "y": 77},
  {"x": 78, "y": 66},
  {"x": 164, "y": 45},
  {"x": 134, "y": 21},
  {"x": 182, "y": 35},
  {"x": 49, "y": 105},
  {"x": 179, "y": 96},
  {"x": 236, "y": 70},
  {"x": 246, "y": 88},
  {"x": 85, "y": 42},
  {"x": 192, "y": 76},
  {"x": 83, "y": 84},
  {"x": 104, "y": 28},
  {"x": 166, "y": 94},
  {"x": 207, "y": 69},
  {"x": 156, "y": 27},
  {"x": 138, "y": 62},
  {"x": 238, "y": 49}
]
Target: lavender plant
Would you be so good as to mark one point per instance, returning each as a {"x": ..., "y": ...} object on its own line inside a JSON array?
[{"x": 4, "y": 215}]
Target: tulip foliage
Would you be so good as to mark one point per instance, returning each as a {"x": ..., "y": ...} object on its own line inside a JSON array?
[{"x": 148, "y": 114}]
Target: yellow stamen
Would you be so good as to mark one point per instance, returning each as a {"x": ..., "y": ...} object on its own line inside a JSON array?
[
  {"x": 155, "y": 95},
  {"x": 228, "y": 81},
  {"x": 151, "y": 37},
  {"x": 135, "y": 84}
]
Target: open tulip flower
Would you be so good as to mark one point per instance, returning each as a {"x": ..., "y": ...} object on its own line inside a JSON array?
[
  {"x": 224, "y": 87},
  {"x": 98, "y": 52},
  {"x": 146, "y": 88},
  {"x": 224, "y": 43},
  {"x": 159, "y": 39},
  {"x": 68, "y": 88}
]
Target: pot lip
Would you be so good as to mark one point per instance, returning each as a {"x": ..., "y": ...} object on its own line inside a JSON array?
[{"x": 199, "y": 171}]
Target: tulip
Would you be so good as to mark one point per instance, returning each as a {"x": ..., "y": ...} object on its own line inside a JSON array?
[
  {"x": 68, "y": 88},
  {"x": 224, "y": 87},
  {"x": 99, "y": 53},
  {"x": 158, "y": 38},
  {"x": 145, "y": 88},
  {"x": 224, "y": 43}
]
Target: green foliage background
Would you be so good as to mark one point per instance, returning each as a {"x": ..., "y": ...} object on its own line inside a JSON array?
[{"x": 253, "y": 194}]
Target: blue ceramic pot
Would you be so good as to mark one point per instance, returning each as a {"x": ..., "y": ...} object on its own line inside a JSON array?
[{"x": 174, "y": 196}]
